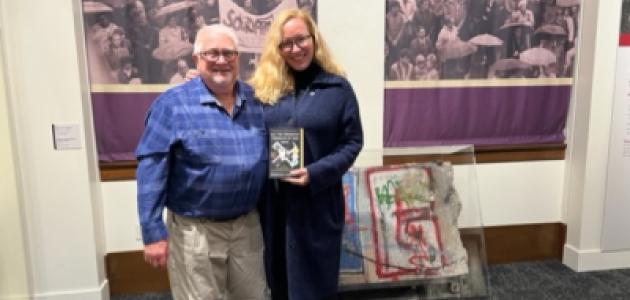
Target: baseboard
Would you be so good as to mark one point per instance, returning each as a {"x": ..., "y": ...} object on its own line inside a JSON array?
[
  {"x": 99, "y": 293},
  {"x": 525, "y": 242},
  {"x": 15, "y": 297},
  {"x": 595, "y": 260},
  {"x": 128, "y": 273}
]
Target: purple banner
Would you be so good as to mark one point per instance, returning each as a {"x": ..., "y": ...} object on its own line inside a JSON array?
[
  {"x": 480, "y": 116},
  {"x": 119, "y": 122}
]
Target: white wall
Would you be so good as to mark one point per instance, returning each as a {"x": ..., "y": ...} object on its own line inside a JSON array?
[
  {"x": 521, "y": 193},
  {"x": 65, "y": 207},
  {"x": 13, "y": 275},
  {"x": 59, "y": 191},
  {"x": 510, "y": 193},
  {"x": 589, "y": 129},
  {"x": 356, "y": 38},
  {"x": 121, "y": 216}
]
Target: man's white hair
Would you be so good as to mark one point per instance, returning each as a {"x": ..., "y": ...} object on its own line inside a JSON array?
[{"x": 210, "y": 30}]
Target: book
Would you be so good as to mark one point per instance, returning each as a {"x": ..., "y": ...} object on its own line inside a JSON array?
[{"x": 286, "y": 151}]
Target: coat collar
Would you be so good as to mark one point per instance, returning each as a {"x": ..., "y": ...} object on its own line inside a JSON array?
[{"x": 324, "y": 78}]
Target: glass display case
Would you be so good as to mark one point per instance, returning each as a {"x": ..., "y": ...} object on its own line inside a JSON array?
[{"x": 415, "y": 226}]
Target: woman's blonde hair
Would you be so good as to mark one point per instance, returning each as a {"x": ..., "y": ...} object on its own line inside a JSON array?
[{"x": 271, "y": 78}]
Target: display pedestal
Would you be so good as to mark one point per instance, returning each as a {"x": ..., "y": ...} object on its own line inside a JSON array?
[{"x": 416, "y": 226}]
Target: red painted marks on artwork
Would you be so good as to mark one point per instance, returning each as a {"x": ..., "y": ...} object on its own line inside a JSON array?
[{"x": 410, "y": 232}]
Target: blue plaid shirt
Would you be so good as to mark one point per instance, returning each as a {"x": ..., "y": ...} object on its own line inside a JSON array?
[{"x": 197, "y": 160}]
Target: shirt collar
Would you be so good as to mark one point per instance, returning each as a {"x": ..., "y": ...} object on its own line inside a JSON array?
[{"x": 206, "y": 97}]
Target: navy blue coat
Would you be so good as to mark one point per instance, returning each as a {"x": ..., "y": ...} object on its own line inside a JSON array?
[{"x": 303, "y": 225}]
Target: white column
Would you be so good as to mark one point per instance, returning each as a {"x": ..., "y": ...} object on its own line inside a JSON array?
[
  {"x": 58, "y": 190},
  {"x": 588, "y": 138},
  {"x": 13, "y": 267}
]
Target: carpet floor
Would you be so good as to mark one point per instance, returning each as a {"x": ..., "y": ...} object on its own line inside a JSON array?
[{"x": 548, "y": 280}]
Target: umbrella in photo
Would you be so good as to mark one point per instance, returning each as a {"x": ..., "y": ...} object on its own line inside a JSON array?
[
  {"x": 550, "y": 29},
  {"x": 174, "y": 7},
  {"x": 509, "y": 64},
  {"x": 538, "y": 56},
  {"x": 457, "y": 49},
  {"x": 172, "y": 51},
  {"x": 95, "y": 7},
  {"x": 486, "y": 40},
  {"x": 567, "y": 3}
]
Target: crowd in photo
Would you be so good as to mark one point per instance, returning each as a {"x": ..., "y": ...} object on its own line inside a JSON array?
[
  {"x": 625, "y": 17},
  {"x": 151, "y": 41},
  {"x": 478, "y": 39}
]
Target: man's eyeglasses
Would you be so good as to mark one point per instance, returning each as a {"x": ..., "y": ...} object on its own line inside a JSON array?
[
  {"x": 215, "y": 54},
  {"x": 300, "y": 41}
]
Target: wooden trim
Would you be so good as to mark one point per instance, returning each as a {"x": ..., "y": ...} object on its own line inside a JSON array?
[
  {"x": 496, "y": 154},
  {"x": 515, "y": 243},
  {"x": 128, "y": 273},
  {"x": 122, "y": 170},
  {"x": 126, "y": 170}
]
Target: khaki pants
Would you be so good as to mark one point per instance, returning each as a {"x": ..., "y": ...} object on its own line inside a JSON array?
[{"x": 220, "y": 260}]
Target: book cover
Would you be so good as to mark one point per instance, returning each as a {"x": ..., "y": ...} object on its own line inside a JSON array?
[{"x": 286, "y": 151}]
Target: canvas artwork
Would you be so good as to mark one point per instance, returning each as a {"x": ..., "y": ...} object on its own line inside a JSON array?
[
  {"x": 407, "y": 224},
  {"x": 351, "y": 260}
]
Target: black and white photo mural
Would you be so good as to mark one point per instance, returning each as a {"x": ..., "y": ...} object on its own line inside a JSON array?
[
  {"x": 432, "y": 40},
  {"x": 136, "y": 49},
  {"x": 483, "y": 72},
  {"x": 625, "y": 17},
  {"x": 151, "y": 41}
]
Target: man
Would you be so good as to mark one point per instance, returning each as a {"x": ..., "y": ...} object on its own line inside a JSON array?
[
  {"x": 102, "y": 31},
  {"x": 408, "y": 8},
  {"x": 403, "y": 68},
  {"x": 203, "y": 157},
  {"x": 448, "y": 34},
  {"x": 180, "y": 72}
]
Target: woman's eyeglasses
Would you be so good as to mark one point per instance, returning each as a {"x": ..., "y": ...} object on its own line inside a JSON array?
[{"x": 300, "y": 41}]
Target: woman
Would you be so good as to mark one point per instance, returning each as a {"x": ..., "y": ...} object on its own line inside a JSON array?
[
  {"x": 173, "y": 43},
  {"x": 303, "y": 216},
  {"x": 119, "y": 48},
  {"x": 172, "y": 32}
]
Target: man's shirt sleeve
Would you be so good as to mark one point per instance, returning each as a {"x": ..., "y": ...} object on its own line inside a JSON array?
[{"x": 153, "y": 170}]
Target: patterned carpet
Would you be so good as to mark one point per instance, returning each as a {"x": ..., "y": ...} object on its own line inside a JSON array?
[
  {"x": 552, "y": 280},
  {"x": 519, "y": 281}
]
